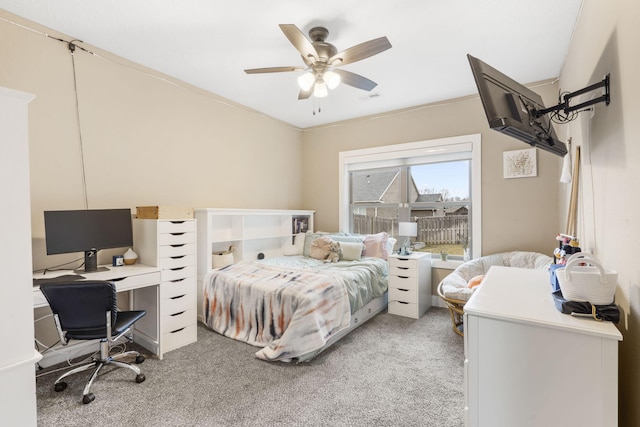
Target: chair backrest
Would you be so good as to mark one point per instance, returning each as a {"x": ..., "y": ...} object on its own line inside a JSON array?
[{"x": 82, "y": 305}]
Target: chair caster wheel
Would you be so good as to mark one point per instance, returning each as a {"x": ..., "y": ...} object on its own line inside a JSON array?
[
  {"x": 139, "y": 359},
  {"x": 140, "y": 378},
  {"x": 60, "y": 386},
  {"x": 88, "y": 398}
]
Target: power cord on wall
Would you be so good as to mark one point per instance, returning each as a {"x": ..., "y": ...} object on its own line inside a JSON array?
[{"x": 72, "y": 48}]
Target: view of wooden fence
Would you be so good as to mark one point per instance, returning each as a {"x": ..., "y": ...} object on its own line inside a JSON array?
[{"x": 432, "y": 230}]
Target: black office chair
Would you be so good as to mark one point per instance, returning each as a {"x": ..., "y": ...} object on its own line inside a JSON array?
[{"x": 87, "y": 310}]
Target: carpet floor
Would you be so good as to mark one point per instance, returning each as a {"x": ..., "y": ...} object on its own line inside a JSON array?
[{"x": 391, "y": 371}]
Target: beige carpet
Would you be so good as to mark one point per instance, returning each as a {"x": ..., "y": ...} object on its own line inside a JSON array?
[{"x": 392, "y": 371}]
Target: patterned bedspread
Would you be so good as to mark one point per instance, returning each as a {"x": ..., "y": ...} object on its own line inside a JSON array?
[{"x": 290, "y": 306}]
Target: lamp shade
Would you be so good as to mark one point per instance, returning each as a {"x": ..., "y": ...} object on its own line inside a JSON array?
[
  {"x": 306, "y": 81},
  {"x": 331, "y": 79},
  {"x": 320, "y": 90},
  {"x": 408, "y": 229}
]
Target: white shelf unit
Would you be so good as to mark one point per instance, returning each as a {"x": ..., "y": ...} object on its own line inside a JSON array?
[
  {"x": 171, "y": 246},
  {"x": 251, "y": 231}
]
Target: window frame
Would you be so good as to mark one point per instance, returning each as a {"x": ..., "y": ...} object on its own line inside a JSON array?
[{"x": 464, "y": 147}]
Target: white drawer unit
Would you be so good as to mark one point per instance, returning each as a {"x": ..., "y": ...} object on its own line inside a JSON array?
[
  {"x": 171, "y": 246},
  {"x": 410, "y": 284},
  {"x": 528, "y": 365}
]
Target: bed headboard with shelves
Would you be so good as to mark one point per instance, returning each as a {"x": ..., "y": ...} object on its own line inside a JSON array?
[{"x": 250, "y": 231}]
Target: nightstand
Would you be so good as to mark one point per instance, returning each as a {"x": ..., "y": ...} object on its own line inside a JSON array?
[{"x": 410, "y": 284}]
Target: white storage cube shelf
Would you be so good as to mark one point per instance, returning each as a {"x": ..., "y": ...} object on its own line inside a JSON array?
[{"x": 251, "y": 231}]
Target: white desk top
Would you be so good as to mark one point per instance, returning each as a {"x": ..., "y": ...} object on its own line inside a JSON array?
[
  {"x": 112, "y": 274},
  {"x": 524, "y": 295}
]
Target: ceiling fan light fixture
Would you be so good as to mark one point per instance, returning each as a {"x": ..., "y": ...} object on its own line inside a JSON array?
[
  {"x": 306, "y": 81},
  {"x": 332, "y": 79},
  {"x": 320, "y": 90}
]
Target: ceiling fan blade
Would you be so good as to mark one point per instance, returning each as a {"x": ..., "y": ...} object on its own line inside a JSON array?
[
  {"x": 361, "y": 51},
  {"x": 355, "y": 80},
  {"x": 304, "y": 94},
  {"x": 300, "y": 42},
  {"x": 273, "y": 70}
]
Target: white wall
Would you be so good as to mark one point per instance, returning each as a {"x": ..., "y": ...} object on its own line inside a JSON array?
[{"x": 606, "y": 41}]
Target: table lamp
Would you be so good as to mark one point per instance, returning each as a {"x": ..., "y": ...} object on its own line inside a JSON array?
[{"x": 408, "y": 230}]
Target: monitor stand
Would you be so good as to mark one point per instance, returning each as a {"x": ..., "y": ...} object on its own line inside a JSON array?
[{"x": 90, "y": 263}]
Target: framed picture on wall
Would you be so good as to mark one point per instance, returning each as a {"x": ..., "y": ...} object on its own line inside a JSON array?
[{"x": 520, "y": 163}]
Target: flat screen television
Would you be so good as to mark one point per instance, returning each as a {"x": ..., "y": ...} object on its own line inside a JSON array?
[
  {"x": 87, "y": 231},
  {"x": 513, "y": 109}
]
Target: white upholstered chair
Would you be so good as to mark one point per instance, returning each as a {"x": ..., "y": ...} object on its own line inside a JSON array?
[{"x": 454, "y": 289}]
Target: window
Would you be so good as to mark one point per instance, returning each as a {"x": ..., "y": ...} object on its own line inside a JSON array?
[{"x": 433, "y": 183}]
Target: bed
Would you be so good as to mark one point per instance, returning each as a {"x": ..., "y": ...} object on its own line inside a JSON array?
[{"x": 295, "y": 306}]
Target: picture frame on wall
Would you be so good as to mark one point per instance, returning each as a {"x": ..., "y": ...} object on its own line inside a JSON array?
[{"x": 520, "y": 163}]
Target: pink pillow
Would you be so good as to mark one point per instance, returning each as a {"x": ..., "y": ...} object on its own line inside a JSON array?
[{"x": 375, "y": 245}]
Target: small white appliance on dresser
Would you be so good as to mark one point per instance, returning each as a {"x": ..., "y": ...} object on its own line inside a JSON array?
[
  {"x": 170, "y": 244},
  {"x": 410, "y": 284},
  {"x": 527, "y": 364}
]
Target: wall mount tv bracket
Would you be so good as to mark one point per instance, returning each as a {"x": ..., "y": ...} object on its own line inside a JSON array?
[{"x": 566, "y": 98}]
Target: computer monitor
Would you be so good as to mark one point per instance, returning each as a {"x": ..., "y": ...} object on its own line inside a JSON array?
[
  {"x": 87, "y": 231},
  {"x": 514, "y": 109}
]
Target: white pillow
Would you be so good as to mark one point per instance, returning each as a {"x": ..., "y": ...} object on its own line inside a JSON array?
[
  {"x": 391, "y": 242},
  {"x": 289, "y": 250},
  {"x": 296, "y": 248},
  {"x": 298, "y": 242},
  {"x": 351, "y": 251}
]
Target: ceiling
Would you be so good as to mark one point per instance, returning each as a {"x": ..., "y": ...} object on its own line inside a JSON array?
[{"x": 208, "y": 44}]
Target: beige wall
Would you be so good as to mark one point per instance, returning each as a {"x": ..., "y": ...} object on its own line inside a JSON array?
[
  {"x": 150, "y": 140},
  {"x": 606, "y": 41},
  {"x": 517, "y": 214},
  {"x": 146, "y": 139}
]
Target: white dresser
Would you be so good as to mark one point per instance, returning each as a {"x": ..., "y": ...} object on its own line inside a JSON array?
[
  {"x": 171, "y": 246},
  {"x": 410, "y": 284},
  {"x": 527, "y": 364}
]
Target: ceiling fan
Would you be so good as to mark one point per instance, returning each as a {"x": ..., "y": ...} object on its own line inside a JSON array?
[{"x": 322, "y": 59}]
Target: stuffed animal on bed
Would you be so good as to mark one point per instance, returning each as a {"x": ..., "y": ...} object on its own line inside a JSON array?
[{"x": 326, "y": 249}]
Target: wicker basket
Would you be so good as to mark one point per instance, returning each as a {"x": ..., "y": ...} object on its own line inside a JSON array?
[{"x": 585, "y": 280}]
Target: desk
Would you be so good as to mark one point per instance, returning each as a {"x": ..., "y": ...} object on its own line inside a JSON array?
[{"x": 143, "y": 281}]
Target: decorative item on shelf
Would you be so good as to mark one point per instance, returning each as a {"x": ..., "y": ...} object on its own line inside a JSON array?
[
  {"x": 568, "y": 245},
  {"x": 117, "y": 261},
  {"x": 224, "y": 258},
  {"x": 444, "y": 255},
  {"x": 130, "y": 257},
  {"x": 407, "y": 230}
]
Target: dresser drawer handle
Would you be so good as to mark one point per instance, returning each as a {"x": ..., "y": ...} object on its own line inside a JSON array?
[
  {"x": 403, "y": 277},
  {"x": 178, "y": 257},
  {"x": 177, "y": 246},
  {"x": 403, "y": 290},
  {"x": 402, "y": 302},
  {"x": 403, "y": 268},
  {"x": 178, "y": 280},
  {"x": 177, "y": 330},
  {"x": 177, "y": 268},
  {"x": 178, "y": 314},
  {"x": 177, "y": 222},
  {"x": 179, "y": 296},
  {"x": 176, "y": 234}
]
